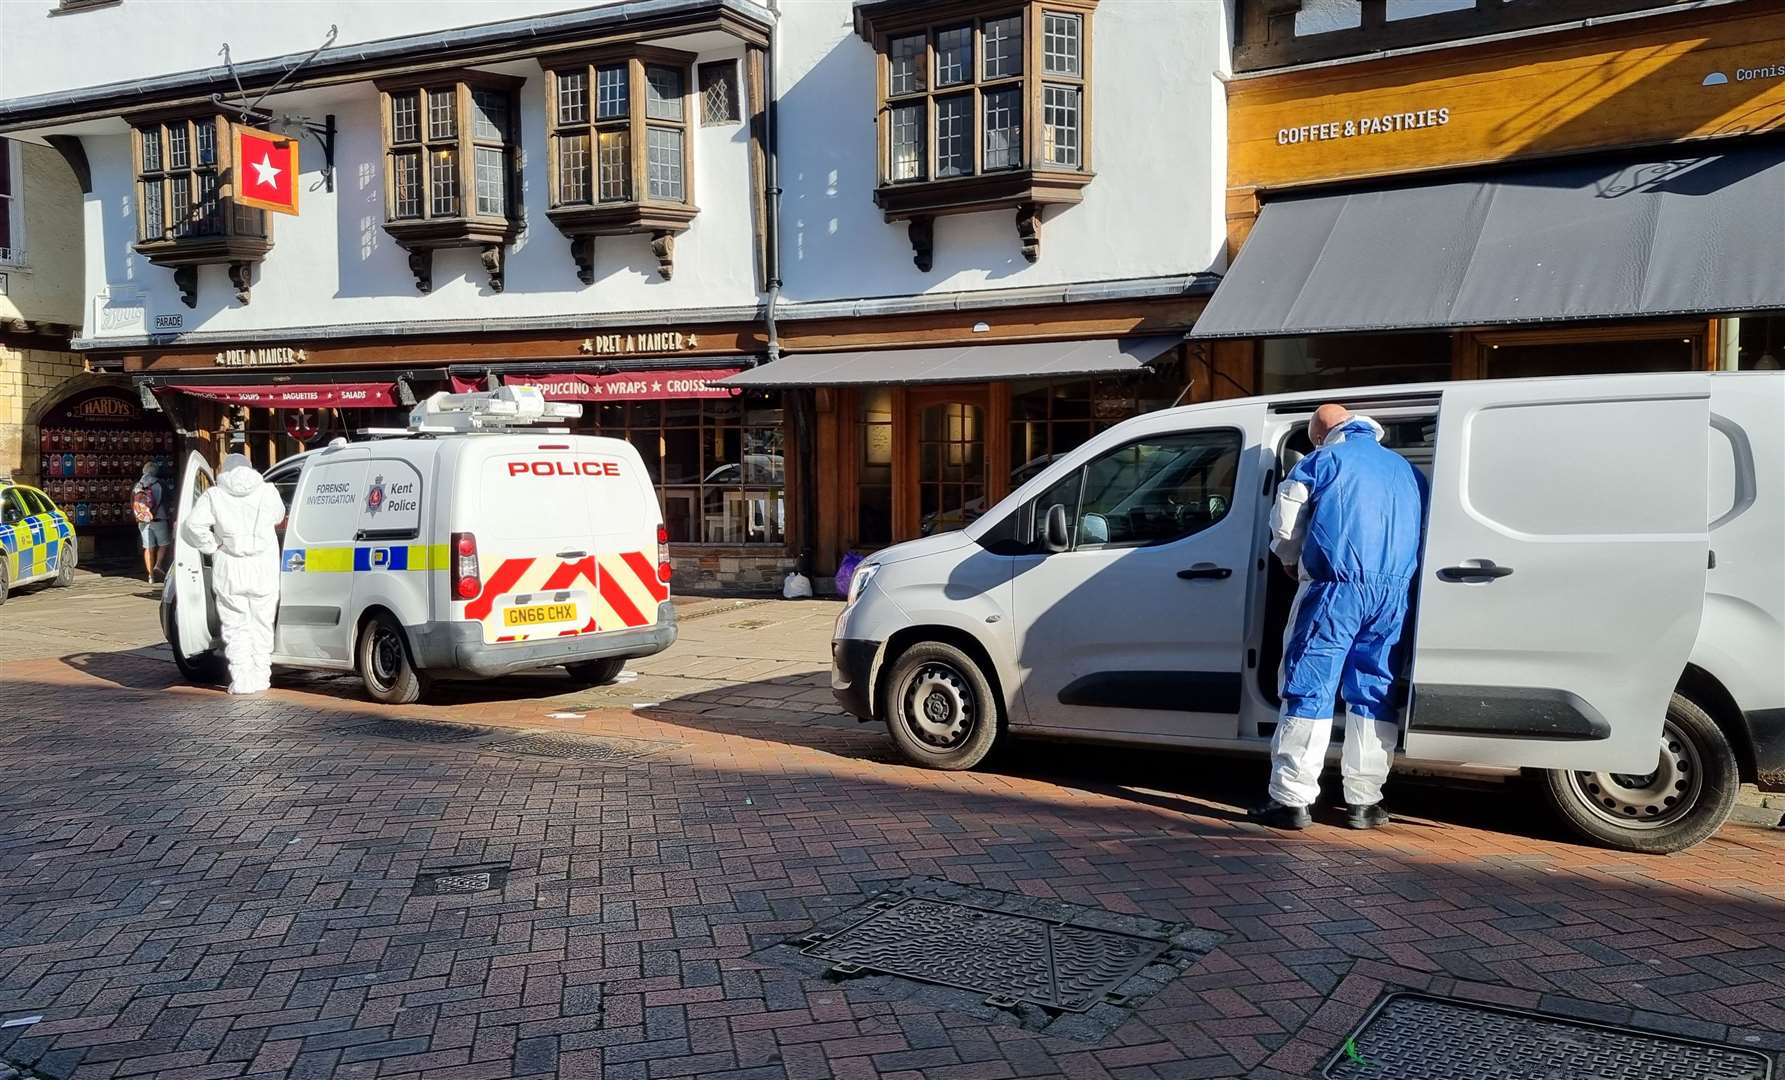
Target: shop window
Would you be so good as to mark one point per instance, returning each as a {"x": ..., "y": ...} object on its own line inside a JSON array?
[
  {"x": 451, "y": 155},
  {"x": 983, "y": 105},
  {"x": 1048, "y": 419},
  {"x": 718, "y": 465},
  {"x": 950, "y": 467},
  {"x": 874, "y": 469},
  {"x": 1522, "y": 360},
  {"x": 1342, "y": 360},
  {"x": 184, "y": 218},
  {"x": 12, "y": 232},
  {"x": 266, "y": 442},
  {"x": 1760, "y": 342},
  {"x": 619, "y": 146}
]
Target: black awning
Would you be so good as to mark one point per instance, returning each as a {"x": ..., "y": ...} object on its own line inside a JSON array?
[
  {"x": 958, "y": 363},
  {"x": 1585, "y": 240}
]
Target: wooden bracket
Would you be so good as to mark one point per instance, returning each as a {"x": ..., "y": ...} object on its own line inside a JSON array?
[
  {"x": 421, "y": 264},
  {"x": 1028, "y": 230},
  {"x": 922, "y": 231},
  {"x": 493, "y": 265},
  {"x": 663, "y": 245},
  {"x": 241, "y": 275},
  {"x": 582, "y": 252},
  {"x": 186, "y": 280}
]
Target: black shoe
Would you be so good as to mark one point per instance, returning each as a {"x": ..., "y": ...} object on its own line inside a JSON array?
[
  {"x": 1366, "y": 817},
  {"x": 1278, "y": 816}
]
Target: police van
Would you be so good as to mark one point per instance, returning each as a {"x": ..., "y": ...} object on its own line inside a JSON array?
[
  {"x": 475, "y": 543},
  {"x": 1601, "y": 603}
]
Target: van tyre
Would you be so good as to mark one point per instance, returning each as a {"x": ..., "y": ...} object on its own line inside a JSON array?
[
  {"x": 385, "y": 665},
  {"x": 940, "y": 707},
  {"x": 1686, "y": 799},
  {"x": 597, "y": 672},
  {"x": 205, "y": 669}
]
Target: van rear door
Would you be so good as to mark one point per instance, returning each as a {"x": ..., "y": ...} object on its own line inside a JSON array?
[
  {"x": 1564, "y": 571},
  {"x": 195, "y": 605}
]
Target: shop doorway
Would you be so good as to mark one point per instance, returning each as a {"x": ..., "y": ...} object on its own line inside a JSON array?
[
  {"x": 951, "y": 459},
  {"x": 91, "y": 449}
]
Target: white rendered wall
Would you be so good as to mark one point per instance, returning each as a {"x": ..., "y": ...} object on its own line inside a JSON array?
[{"x": 1159, "y": 155}]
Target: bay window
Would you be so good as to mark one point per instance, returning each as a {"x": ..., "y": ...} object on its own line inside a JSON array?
[
  {"x": 185, "y": 217},
  {"x": 619, "y": 148},
  {"x": 983, "y": 105},
  {"x": 451, "y": 153}
]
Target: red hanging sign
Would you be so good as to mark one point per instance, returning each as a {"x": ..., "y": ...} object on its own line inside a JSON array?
[
  {"x": 300, "y": 396},
  {"x": 630, "y": 385},
  {"x": 266, "y": 170}
]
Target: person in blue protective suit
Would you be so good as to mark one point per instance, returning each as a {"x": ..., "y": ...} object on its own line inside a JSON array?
[{"x": 1347, "y": 521}]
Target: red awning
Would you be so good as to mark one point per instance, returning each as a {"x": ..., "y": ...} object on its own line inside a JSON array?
[
  {"x": 629, "y": 385},
  {"x": 300, "y": 395}
]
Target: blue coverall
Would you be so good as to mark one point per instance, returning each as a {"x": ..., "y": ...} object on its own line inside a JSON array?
[{"x": 1351, "y": 513}]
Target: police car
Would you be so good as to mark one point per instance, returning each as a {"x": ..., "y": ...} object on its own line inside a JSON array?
[
  {"x": 36, "y": 539},
  {"x": 471, "y": 544}
]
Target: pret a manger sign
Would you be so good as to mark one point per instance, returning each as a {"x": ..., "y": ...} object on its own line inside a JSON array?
[{"x": 266, "y": 170}]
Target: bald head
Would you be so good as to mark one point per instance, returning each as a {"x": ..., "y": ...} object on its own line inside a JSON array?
[{"x": 1326, "y": 418}]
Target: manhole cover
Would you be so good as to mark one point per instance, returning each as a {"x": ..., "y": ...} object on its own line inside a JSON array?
[
  {"x": 584, "y": 748},
  {"x": 1415, "y": 1037},
  {"x": 460, "y": 880},
  {"x": 425, "y": 731},
  {"x": 1005, "y": 956}
]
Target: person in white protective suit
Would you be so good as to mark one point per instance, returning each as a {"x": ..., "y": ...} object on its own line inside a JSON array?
[
  {"x": 235, "y": 522},
  {"x": 1347, "y": 521}
]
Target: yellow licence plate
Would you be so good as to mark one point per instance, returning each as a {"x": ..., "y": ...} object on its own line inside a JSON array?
[{"x": 535, "y": 614}]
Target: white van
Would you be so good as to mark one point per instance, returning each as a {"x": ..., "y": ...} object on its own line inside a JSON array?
[
  {"x": 466, "y": 546},
  {"x": 1602, "y": 598}
]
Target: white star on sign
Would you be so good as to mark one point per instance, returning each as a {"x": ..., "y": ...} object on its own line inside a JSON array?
[
  {"x": 268, "y": 172},
  {"x": 656, "y": 388}
]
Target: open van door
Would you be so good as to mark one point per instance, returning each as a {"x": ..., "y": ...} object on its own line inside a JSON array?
[
  {"x": 195, "y": 604},
  {"x": 1564, "y": 571}
]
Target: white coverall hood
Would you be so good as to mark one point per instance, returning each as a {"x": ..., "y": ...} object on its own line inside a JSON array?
[{"x": 235, "y": 522}]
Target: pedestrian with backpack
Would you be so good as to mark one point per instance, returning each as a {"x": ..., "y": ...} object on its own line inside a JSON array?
[{"x": 149, "y": 506}]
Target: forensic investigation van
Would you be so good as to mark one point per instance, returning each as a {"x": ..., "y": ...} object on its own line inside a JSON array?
[
  {"x": 1601, "y": 600},
  {"x": 474, "y": 543}
]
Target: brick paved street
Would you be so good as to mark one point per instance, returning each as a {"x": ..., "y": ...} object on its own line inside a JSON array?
[{"x": 193, "y": 885}]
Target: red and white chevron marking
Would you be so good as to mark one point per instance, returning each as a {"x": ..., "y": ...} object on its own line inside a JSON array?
[{"x": 613, "y": 591}]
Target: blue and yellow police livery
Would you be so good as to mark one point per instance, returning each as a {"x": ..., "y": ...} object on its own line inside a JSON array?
[{"x": 36, "y": 539}]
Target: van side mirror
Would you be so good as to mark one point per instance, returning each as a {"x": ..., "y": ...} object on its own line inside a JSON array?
[{"x": 1054, "y": 536}]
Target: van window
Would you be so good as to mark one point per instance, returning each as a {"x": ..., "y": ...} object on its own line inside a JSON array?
[
  {"x": 1152, "y": 491},
  {"x": 329, "y": 501},
  {"x": 531, "y": 495}
]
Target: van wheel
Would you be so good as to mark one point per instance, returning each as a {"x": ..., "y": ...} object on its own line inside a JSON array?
[
  {"x": 1685, "y": 800},
  {"x": 385, "y": 664},
  {"x": 940, "y": 707},
  {"x": 205, "y": 669},
  {"x": 597, "y": 672}
]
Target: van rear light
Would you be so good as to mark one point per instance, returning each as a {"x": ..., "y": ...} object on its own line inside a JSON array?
[
  {"x": 466, "y": 581},
  {"x": 664, "y": 570}
]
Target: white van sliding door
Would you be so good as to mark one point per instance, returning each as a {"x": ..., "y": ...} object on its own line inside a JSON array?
[{"x": 1564, "y": 571}]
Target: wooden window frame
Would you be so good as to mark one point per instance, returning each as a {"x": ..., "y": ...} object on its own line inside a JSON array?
[
  {"x": 639, "y": 213},
  {"x": 1027, "y": 187},
  {"x": 239, "y": 237},
  {"x": 464, "y": 225}
]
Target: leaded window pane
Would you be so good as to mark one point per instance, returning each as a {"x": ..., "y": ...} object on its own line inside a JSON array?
[
  {"x": 1060, "y": 125},
  {"x": 663, "y": 93},
  {"x": 405, "y": 117},
  {"x": 611, "y": 97},
  {"x": 907, "y": 143},
  {"x": 206, "y": 146},
  {"x": 180, "y": 205},
  {"x": 489, "y": 114},
  {"x": 905, "y": 63},
  {"x": 615, "y": 168},
  {"x": 1060, "y": 44},
  {"x": 153, "y": 224},
  {"x": 151, "y": 149},
  {"x": 405, "y": 173},
  {"x": 492, "y": 181},
  {"x": 954, "y": 136},
  {"x": 954, "y": 56},
  {"x": 718, "y": 92},
  {"x": 250, "y": 221},
  {"x": 177, "y": 155},
  {"x": 209, "y": 221},
  {"x": 443, "y": 184},
  {"x": 1003, "y": 129},
  {"x": 664, "y": 149},
  {"x": 1003, "y": 47},
  {"x": 573, "y": 168},
  {"x": 443, "y": 119},
  {"x": 573, "y": 97}
]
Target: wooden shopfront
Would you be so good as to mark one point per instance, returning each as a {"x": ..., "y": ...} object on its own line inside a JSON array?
[{"x": 1654, "y": 103}]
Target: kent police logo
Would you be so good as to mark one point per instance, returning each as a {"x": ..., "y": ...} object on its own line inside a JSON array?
[
  {"x": 294, "y": 561},
  {"x": 375, "y": 497}
]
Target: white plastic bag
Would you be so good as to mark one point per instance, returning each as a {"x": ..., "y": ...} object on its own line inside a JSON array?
[{"x": 797, "y": 587}]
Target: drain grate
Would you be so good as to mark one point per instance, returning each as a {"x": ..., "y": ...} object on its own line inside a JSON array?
[
  {"x": 582, "y": 748},
  {"x": 421, "y": 731},
  {"x": 460, "y": 880},
  {"x": 1415, "y": 1037}
]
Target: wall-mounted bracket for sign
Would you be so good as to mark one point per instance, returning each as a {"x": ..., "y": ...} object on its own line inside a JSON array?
[{"x": 250, "y": 112}]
